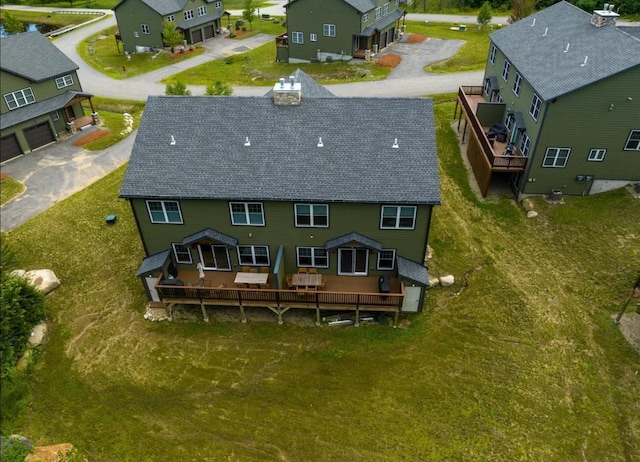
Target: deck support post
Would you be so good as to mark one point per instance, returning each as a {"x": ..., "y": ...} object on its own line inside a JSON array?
[
  {"x": 170, "y": 311},
  {"x": 395, "y": 319},
  {"x": 357, "y": 323},
  {"x": 464, "y": 131},
  {"x": 317, "y": 316},
  {"x": 204, "y": 313},
  {"x": 243, "y": 318}
]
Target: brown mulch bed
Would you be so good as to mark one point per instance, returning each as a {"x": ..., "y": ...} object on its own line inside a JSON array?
[
  {"x": 91, "y": 137},
  {"x": 389, "y": 60},
  {"x": 236, "y": 32},
  {"x": 3, "y": 176},
  {"x": 180, "y": 54},
  {"x": 416, "y": 38}
]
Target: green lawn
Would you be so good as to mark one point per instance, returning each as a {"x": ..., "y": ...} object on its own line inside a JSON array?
[
  {"x": 10, "y": 188},
  {"x": 111, "y": 112},
  {"x": 521, "y": 363},
  {"x": 57, "y": 20}
]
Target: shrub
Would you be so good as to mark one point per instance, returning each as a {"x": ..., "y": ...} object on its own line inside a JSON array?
[
  {"x": 177, "y": 88},
  {"x": 21, "y": 307}
]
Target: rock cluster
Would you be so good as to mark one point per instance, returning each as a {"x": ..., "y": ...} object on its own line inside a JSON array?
[
  {"x": 128, "y": 124},
  {"x": 44, "y": 280}
]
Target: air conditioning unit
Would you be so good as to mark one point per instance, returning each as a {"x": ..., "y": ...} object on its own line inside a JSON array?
[{"x": 556, "y": 195}]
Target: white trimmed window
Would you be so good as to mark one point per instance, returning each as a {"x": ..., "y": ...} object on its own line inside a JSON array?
[
  {"x": 217, "y": 5},
  {"x": 365, "y": 17},
  {"x": 202, "y": 10},
  {"x": 187, "y": 14},
  {"x": 19, "y": 98},
  {"x": 386, "y": 259},
  {"x": 246, "y": 213},
  {"x": 182, "y": 254},
  {"x": 525, "y": 145},
  {"x": 597, "y": 155},
  {"x": 64, "y": 81},
  {"x": 378, "y": 13},
  {"x": 171, "y": 18},
  {"x": 510, "y": 120},
  {"x": 398, "y": 217},
  {"x": 316, "y": 257},
  {"x": 329, "y": 30},
  {"x": 214, "y": 257},
  {"x": 253, "y": 255},
  {"x": 144, "y": 28},
  {"x": 313, "y": 37},
  {"x": 517, "y": 84},
  {"x": 492, "y": 54},
  {"x": 385, "y": 9},
  {"x": 534, "y": 109},
  {"x": 55, "y": 115},
  {"x": 164, "y": 212},
  {"x": 297, "y": 37},
  {"x": 633, "y": 142},
  {"x": 396, "y": 2},
  {"x": 556, "y": 157},
  {"x": 312, "y": 215},
  {"x": 505, "y": 70}
]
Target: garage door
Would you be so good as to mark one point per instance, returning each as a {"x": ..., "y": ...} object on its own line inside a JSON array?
[
  {"x": 39, "y": 135},
  {"x": 208, "y": 32},
  {"x": 196, "y": 36},
  {"x": 9, "y": 148}
]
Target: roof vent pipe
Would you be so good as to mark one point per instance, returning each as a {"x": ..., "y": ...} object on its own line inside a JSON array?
[
  {"x": 281, "y": 82},
  {"x": 320, "y": 143},
  {"x": 567, "y": 49},
  {"x": 292, "y": 80},
  {"x": 585, "y": 61},
  {"x": 395, "y": 144},
  {"x": 534, "y": 22},
  {"x": 173, "y": 141},
  {"x": 546, "y": 29},
  {"x": 247, "y": 142}
]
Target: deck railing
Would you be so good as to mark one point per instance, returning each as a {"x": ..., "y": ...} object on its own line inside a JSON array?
[{"x": 499, "y": 162}]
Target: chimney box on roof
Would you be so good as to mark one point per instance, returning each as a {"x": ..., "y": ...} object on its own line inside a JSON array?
[
  {"x": 605, "y": 16},
  {"x": 287, "y": 92}
]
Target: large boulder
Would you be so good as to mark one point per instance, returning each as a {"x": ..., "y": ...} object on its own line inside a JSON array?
[
  {"x": 433, "y": 281},
  {"x": 532, "y": 214},
  {"x": 44, "y": 280},
  {"x": 528, "y": 204},
  {"x": 37, "y": 335},
  {"x": 446, "y": 281}
]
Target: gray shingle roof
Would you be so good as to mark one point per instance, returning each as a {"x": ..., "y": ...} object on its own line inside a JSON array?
[
  {"x": 200, "y": 20},
  {"x": 312, "y": 89},
  {"x": 32, "y": 56},
  {"x": 153, "y": 263},
  {"x": 412, "y": 270},
  {"x": 541, "y": 60},
  {"x": 361, "y": 5},
  {"x": 383, "y": 22},
  {"x": 211, "y": 234},
  {"x": 353, "y": 237},
  {"x": 165, "y": 7},
  {"x": 356, "y": 164},
  {"x": 31, "y": 111}
]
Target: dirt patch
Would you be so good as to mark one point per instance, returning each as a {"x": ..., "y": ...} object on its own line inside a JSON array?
[
  {"x": 3, "y": 176},
  {"x": 389, "y": 60},
  {"x": 187, "y": 51},
  {"x": 416, "y": 38},
  {"x": 630, "y": 328},
  {"x": 91, "y": 137}
]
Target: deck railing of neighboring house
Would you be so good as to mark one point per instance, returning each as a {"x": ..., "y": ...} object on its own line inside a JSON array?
[
  {"x": 282, "y": 40},
  {"x": 499, "y": 162}
]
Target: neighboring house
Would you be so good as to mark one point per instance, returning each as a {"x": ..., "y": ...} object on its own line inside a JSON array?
[
  {"x": 41, "y": 94},
  {"x": 295, "y": 180},
  {"x": 140, "y": 21},
  {"x": 326, "y": 30},
  {"x": 562, "y": 92}
]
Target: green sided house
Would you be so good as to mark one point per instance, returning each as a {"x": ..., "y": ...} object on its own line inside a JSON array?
[
  {"x": 41, "y": 95},
  {"x": 330, "y": 30},
  {"x": 558, "y": 111},
  {"x": 140, "y": 21},
  {"x": 299, "y": 200}
]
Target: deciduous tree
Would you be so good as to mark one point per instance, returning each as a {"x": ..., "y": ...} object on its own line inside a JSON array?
[
  {"x": 249, "y": 12},
  {"x": 484, "y": 15}
]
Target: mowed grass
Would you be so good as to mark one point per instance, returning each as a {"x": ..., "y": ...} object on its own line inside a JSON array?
[
  {"x": 10, "y": 188},
  {"x": 57, "y": 20},
  {"x": 521, "y": 363},
  {"x": 111, "y": 113}
]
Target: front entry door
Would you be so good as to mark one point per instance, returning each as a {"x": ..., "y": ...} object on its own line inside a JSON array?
[
  {"x": 353, "y": 261},
  {"x": 214, "y": 257}
]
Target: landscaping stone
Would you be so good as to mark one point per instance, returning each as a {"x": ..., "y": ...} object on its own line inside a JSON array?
[
  {"x": 14, "y": 440},
  {"x": 37, "y": 335},
  {"x": 23, "y": 362},
  {"x": 446, "y": 281},
  {"x": 429, "y": 252},
  {"x": 433, "y": 281},
  {"x": 18, "y": 273},
  {"x": 528, "y": 204},
  {"x": 532, "y": 214},
  {"x": 44, "y": 280}
]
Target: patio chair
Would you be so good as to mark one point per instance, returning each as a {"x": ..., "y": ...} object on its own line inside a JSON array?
[
  {"x": 290, "y": 282},
  {"x": 313, "y": 270},
  {"x": 264, "y": 269},
  {"x": 302, "y": 270},
  {"x": 246, "y": 269},
  {"x": 253, "y": 270}
]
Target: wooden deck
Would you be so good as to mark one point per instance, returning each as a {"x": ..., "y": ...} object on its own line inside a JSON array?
[{"x": 347, "y": 293}]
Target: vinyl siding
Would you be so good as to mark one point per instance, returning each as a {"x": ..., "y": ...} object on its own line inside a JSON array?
[{"x": 130, "y": 15}]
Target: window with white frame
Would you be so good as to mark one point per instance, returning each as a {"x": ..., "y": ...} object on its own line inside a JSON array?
[
  {"x": 365, "y": 17},
  {"x": 64, "y": 81},
  {"x": 487, "y": 87},
  {"x": 633, "y": 142},
  {"x": 144, "y": 28},
  {"x": 385, "y": 9},
  {"x": 597, "y": 155},
  {"x": 19, "y": 98},
  {"x": 492, "y": 54},
  {"x": 386, "y": 259},
  {"x": 187, "y": 14},
  {"x": 499, "y": 98},
  {"x": 202, "y": 10},
  {"x": 556, "y": 157},
  {"x": 312, "y": 215},
  {"x": 253, "y": 255},
  {"x": 510, "y": 120},
  {"x": 517, "y": 84},
  {"x": 398, "y": 217},
  {"x": 316, "y": 257},
  {"x": 525, "y": 145},
  {"x": 182, "y": 253},
  {"x": 505, "y": 70},
  {"x": 171, "y": 18},
  {"x": 329, "y": 30},
  {"x": 297, "y": 37},
  {"x": 534, "y": 109},
  {"x": 396, "y": 2},
  {"x": 164, "y": 212},
  {"x": 313, "y": 37},
  {"x": 217, "y": 5},
  {"x": 378, "y": 13},
  {"x": 55, "y": 115},
  {"x": 246, "y": 213}
]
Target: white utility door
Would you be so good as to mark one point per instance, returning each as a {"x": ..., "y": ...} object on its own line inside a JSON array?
[
  {"x": 411, "y": 302},
  {"x": 151, "y": 283}
]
